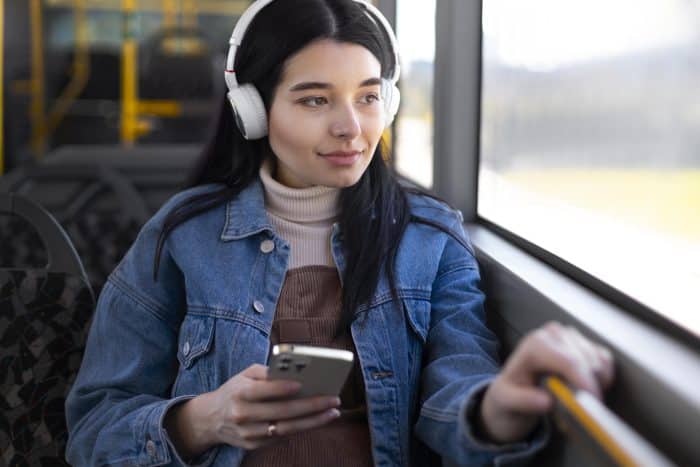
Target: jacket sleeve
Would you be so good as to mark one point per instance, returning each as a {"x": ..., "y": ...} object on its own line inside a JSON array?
[
  {"x": 116, "y": 406},
  {"x": 461, "y": 359}
]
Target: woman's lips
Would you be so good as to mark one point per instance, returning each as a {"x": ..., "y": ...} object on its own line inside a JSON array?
[{"x": 342, "y": 158}]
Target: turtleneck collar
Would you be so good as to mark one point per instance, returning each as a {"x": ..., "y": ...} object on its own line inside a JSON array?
[{"x": 316, "y": 204}]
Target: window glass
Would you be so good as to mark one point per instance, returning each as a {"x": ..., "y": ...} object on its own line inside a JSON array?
[
  {"x": 590, "y": 141},
  {"x": 415, "y": 29}
]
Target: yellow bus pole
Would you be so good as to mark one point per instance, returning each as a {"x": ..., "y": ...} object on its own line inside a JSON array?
[
  {"x": 169, "y": 13},
  {"x": 80, "y": 71},
  {"x": 131, "y": 126},
  {"x": 38, "y": 143},
  {"x": 190, "y": 13},
  {"x": 128, "y": 74}
]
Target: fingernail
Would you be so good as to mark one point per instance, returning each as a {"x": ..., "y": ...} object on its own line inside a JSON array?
[
  {"x": 334, "y": 413},
  {"x": 293, "y": 386},
  {"x": 332, "y": 402}
]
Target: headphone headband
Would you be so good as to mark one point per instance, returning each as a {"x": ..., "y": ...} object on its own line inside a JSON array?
[
  {"x": 247, "y": 17},
  {"x": 247, "y": 104}
]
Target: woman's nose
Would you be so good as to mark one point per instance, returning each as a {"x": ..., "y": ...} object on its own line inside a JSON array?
[{"x": 345, "y": 124}]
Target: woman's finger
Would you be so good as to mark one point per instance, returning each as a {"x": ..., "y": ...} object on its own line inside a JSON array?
[
  {"x": 599, "y": 358},
  {"x": 607, "y": 373},
  {"x": 282, "y": 410},
  {"x": 546, "y": 351},
  {"x": 255, "y": 371},
  {"x": 578, "y": 345},
  {"x": 262, "y": 390},
  {"x": 260, "y": 430}
]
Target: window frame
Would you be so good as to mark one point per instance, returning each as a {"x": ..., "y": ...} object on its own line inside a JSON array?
[
  {"x": 457, "y": 98},
  {"x": 653, "y": 390}
]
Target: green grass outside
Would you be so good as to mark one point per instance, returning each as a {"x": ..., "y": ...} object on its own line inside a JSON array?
[{"x": 663, "y": 200}]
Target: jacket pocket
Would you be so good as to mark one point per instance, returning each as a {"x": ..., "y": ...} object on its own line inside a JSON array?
[
  {"x": 194, "y": 343},
  {"x": 418, "y": 316}
]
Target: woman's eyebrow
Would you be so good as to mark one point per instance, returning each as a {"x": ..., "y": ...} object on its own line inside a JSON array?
[{"x": 318, "y": 85}]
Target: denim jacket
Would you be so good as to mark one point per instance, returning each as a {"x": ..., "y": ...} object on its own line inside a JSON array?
[{"x": 425, "y": 357}]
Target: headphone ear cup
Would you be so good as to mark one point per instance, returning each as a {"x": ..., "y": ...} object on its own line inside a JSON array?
[
  {"x": 249, "y": 111},
  {"x": 392, "y": 98}
]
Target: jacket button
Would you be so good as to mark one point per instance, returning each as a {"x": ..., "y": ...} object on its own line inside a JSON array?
[
  {"x": 258, "y": 306},
  {"x": 267, "y": 246},
  {"x": 151, "y": 448},
  {"x": 186, "y": 349}
]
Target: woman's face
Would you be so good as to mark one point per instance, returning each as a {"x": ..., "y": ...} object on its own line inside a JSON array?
[{"x": 327, "y": 116}]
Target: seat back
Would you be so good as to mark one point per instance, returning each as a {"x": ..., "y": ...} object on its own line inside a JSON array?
[
  {"x": 44, "y": 319},
  {"x": 98, "y": 207},
  {"x": 163, "y": 57}
]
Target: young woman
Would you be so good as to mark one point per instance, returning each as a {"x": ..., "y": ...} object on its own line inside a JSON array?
[{"x": 294, "y": 230}]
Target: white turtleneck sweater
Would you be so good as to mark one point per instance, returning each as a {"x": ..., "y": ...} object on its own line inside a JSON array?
[{"x": 304, "y": 217}]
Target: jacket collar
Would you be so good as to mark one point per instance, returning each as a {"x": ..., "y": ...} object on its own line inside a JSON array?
[{"x": 245, "y": 214}]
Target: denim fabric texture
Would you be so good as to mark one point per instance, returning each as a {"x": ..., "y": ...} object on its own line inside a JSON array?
[{"x": 153, "y": 344}]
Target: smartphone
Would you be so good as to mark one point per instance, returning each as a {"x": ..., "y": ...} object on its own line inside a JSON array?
[{"x": 320, "y": 370}]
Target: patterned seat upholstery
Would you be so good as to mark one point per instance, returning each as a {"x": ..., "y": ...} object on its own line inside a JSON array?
[
  {"x": 102, "y": 213},
  {"x": 44, "y": 318},
  {"x": 20, "y": 245},
  {"x": 102, "y": 238}
]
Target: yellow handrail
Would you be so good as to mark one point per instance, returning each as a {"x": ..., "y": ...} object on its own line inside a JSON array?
[
  {"x": 131, "y": 127},
  {"x": 567, "y": 398},
  {"x": 81, "y": 71},
  {"x": 169, "y": 13},
  {"x": 189, "y": 13},
  {"x": 160, "y": 108},
  {"x": 621, "y": 444},
  {"x": 37, "y": 106},
  {"x": 209, "y": 7}
]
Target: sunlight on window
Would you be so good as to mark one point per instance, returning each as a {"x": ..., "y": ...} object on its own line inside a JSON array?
[
  {"x": 589, "y": 142},
  {"x": 414, "y": 125}
]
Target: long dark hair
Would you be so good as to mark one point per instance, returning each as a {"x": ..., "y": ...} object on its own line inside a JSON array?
[{"x": 374, "y": 212}]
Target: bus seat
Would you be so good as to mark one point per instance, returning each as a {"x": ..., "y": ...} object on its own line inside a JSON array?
[
  {"x": 156, "y": 171},
  {"x": 97, "y": 206},
  {"x": 163, "y": 59},
  {"x": 20, "y": 244},
  {"x": 44, "y": 319}
]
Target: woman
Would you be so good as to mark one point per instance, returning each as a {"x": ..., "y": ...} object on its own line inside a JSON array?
[{"x": 301, "y": 234}]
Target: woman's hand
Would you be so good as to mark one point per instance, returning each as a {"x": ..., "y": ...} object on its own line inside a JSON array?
[
  {"x": 514, "y": 402},
  {"x": 240, "y": 412}
]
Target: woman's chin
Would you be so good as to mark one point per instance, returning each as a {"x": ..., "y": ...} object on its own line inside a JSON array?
[{"x": 344, "y": 181}]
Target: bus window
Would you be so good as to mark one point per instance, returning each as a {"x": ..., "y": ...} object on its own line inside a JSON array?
[
  {"x": 414, "y": 125},
  {"x": 589, "y": 141}
]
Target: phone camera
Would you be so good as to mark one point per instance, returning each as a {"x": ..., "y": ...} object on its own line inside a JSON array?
[{"x": 300, "y": 366}]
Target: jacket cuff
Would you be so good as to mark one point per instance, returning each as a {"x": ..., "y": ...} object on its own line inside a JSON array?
[
  {"x": 505, "y": 454},
  {"x": 155, "y": 446}
]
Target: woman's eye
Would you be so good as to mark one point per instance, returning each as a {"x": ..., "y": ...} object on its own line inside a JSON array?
[
  {"x": 316, "y": 101},
  {"x": 370, "y": 98}
]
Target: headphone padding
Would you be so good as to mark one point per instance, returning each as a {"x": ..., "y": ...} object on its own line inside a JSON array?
[
  {"x": 250, "y": 110},
  {"x": 392, "y": 99}
]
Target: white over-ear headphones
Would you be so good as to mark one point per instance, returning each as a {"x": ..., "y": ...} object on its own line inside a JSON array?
[{"x": 248, "y": 108}]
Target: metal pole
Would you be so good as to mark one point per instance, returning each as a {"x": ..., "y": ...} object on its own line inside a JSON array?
[
  {"x": 37, "y": 106},
  {"x": 169, "y": 13},
  {"x": 129, "y": 105}
]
